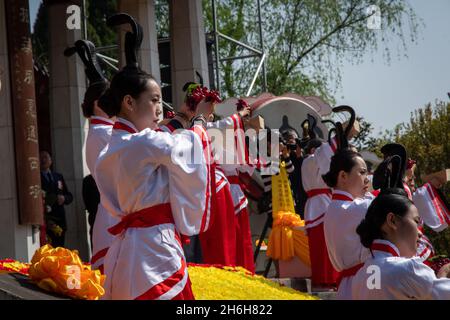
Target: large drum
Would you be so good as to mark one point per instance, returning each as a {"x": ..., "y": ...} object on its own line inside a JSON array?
[{"x": 289, "y": 110}]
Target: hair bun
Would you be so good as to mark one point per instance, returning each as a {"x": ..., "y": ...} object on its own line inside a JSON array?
[
  {"x": 364, "y": 232},
  {"x": 107, "y": 103}
]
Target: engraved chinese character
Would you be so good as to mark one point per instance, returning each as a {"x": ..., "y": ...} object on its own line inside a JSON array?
[
  {"x": 28, "y": 76},
  {"x": 25, "y": 45},
  {"x": 35, "y": 191},
  {"x": 31, "y": 134},
  {"x": 30, "y": 108},
  {"x": 34, "y": 163},
  {"x": 24, "y": 15}
]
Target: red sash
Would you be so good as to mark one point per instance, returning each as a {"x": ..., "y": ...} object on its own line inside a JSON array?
[
  {"x": 234, "y": 180},
  {"x": 348, "y": 273},
  {"x": 145, "y": 218}
]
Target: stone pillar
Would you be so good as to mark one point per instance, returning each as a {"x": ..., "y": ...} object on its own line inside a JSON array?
[
  {"x": 144, "y": 13},
  {"x": 188, "y": 46},
  {"x": 67, "y": 87},
  {"x": 16, "y": 241}
]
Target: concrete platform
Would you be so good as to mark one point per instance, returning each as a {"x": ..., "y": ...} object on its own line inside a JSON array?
[
  {"x": 14, "y": 286},
  {"x": 299, "y": 284},
  {"x": 304, "y": 285}
]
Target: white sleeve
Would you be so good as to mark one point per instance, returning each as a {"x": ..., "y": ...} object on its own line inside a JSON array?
[
  {"x": 96, "y": 141},
  {"x": 232, "y": 122},
  {"x": 185, "y": 154},
  {"x": 238, "y": 150},
  {"x": 431, "y": 209},
  {"x": 358, "y": 210},
  {"x": 308, "y": 172},
  {"x": 422, "y": 283},
  {"x": 191, "y": 202},
  {"x": 322, "y": 156}
]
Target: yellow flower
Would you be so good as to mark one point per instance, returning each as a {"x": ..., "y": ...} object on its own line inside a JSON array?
[
  {"x": 10, "y": 265},
  {"x": 229, "y": 283}
]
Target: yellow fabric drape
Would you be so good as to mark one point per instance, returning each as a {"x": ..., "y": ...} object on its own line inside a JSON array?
[{"x": 286, "y": 240}]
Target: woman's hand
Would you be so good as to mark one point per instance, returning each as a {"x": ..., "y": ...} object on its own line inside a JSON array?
[
  {"x": 284, "y": 150},
  {"x": 245, "y": 112},
  {"x": 298, "y": 151},
  {"x": 444, "y": 272},
  {"x": 436, "y": 182}
]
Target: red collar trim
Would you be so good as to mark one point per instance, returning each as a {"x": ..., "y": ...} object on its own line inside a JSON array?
[
  {"x": 122, "y": 126},
  {"x": 102, "y": 121},
  {"x": 342, "y": 197}
]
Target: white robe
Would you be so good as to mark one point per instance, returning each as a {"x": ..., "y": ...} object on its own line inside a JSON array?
[
  {"x": 343, "y": 243},
  {"x": 313, "y": 167},
  {"x": 387, "y": 276},
  {"x": 98, "y": 137},
  {"x": 231, "y": 170},
  {"x": 431, "y": 208},
  {"x": 140, "y": 170}
]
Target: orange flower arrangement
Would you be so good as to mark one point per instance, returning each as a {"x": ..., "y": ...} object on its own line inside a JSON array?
[{"x": 61, "y": 271}]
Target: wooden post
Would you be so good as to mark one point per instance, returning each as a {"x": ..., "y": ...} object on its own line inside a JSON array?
[{"x": 24, "y": 113}]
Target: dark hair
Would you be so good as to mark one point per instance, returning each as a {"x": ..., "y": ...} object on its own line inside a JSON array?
[
  {"x": 397, "y": 191},
  {"x": 370, "y": 227},
  {"x": 288, "y": 132},
  {"x": 312, "y": 143},
  {"x": 48, "y": 152},
  {"x": 343, "y": 160},
  {"x": 93, "y": 93},
  {"x": 126, "y": 82}
]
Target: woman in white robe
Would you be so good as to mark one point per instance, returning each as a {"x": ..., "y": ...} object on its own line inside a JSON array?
[
  {"x": 100, "y": 128},
  {"x": 158, "y": 185},
  {"x": 350, "y": 200},
  {"x": 390, "y": 231}
]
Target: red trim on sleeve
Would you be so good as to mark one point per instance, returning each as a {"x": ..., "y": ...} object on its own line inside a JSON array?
[
  {"x": 443, "y": 217},
  {"x": 200, "y": 131}
]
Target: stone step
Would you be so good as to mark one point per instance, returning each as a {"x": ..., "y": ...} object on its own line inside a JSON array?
[
  {"x": 325, "y": 295},
  {"x": 304, "y": 285},
  {"x": 299, "y": 284},
  {"x": 14, "y": 286}
]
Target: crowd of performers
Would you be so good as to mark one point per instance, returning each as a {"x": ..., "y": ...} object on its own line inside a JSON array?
[{"x": 153, "y": 201}]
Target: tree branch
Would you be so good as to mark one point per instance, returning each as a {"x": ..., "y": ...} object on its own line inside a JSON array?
[{"x": 344, "y": 24}]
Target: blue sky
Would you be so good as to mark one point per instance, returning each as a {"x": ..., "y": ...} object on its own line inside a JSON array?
[
  {"x": 386, "y": 94},
  {"x": 34, "y": 6}
]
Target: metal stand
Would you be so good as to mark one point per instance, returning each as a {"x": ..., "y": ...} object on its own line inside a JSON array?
[{"x": 255, "y": 52}]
